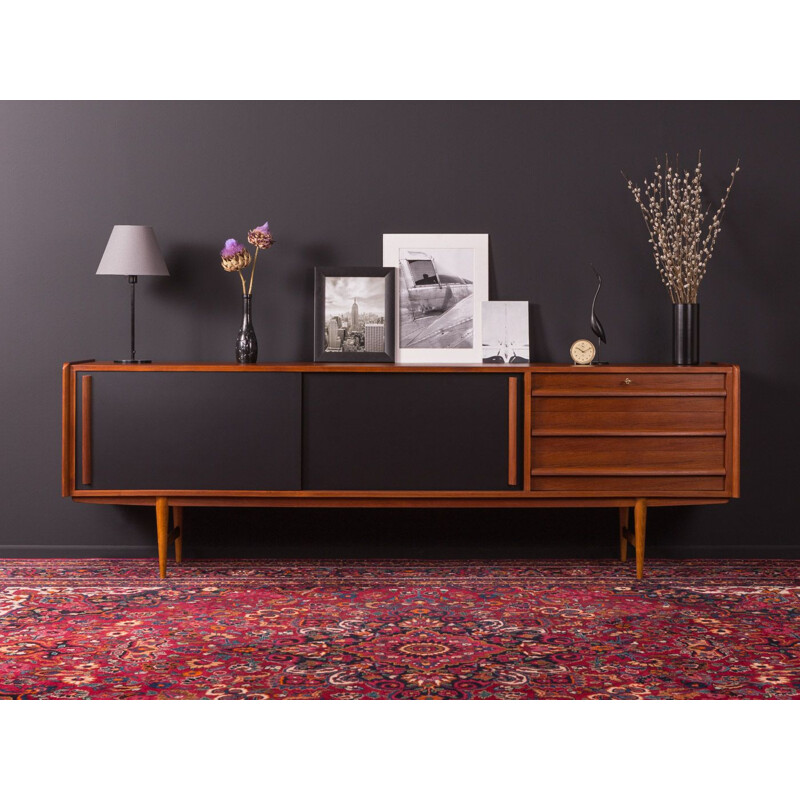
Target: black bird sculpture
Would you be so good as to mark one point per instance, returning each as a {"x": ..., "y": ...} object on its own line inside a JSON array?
[{"x": 597, "y": 326}]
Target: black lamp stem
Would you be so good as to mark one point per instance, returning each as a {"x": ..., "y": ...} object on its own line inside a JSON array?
[
  {"x": 132, "y": 281},
  {"x": 133, "y": 360}
]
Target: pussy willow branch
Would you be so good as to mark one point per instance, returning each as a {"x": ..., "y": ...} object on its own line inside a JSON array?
[{"x": 682, "y": 241}]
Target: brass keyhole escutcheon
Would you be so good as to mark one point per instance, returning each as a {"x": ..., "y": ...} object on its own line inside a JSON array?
[{"x": 627, "y": 381}]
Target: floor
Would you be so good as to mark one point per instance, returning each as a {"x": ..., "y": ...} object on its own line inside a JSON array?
[{"x": 108, "y": 628}]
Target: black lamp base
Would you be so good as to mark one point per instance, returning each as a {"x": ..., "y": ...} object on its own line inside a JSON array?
[{"x": 132, "y": 361}]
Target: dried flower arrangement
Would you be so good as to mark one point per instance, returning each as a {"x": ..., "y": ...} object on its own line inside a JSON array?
[
  {"x": 673, "y": 212},
  {"x": 236, "y": 257}
]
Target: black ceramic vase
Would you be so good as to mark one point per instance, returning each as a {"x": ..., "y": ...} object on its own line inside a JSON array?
[
  {"x": 246, "y": 342},
  {"x": 686, "y": 334}
]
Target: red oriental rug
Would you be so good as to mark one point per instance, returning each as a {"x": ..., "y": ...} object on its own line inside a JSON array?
[{"x": 107, "y": 628}]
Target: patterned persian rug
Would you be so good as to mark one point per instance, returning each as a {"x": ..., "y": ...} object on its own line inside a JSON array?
[{"x": 108, "y": 628}]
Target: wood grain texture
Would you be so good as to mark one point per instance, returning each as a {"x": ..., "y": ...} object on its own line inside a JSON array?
[
  {"x": 640, "y": 523},
  {"x": 73, "y": 426},
  {"x": 513, "y": 478},
  {"x": 630, "y": 393},
  {"x": 630, "y": 484},
  {"x": 514, "y": 500},
  {"x": 660, "y": 404},
  {"x": 526, "y": 427},
  {"x": 733, "y": 422},
  {"x": 66, "y": 428},
  {"x": 307, "y": 366},
  {"x": 312, "y": 367},
  {"x": 162, "y": 530},
  {"x": 68, "y": 370},
  {"x": 665, "y": 405},
  {"x": 612, "y": 431},
  {"x": 629, "y": 415},
  {"x": 340, "y": 494},
  {"x": 633, "y": 382},
  {"x": 86, "y": 430},
  {"x": 679, "y": 454}
]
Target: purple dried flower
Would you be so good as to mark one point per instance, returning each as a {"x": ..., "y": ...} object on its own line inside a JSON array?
[
  {"x": 261, "y": 237},
  {"x": 234, "y": 256},
  {"x": 232, "y": 248}
]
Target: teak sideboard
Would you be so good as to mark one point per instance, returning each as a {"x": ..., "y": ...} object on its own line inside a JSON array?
[{"x": 390, "y": 435}]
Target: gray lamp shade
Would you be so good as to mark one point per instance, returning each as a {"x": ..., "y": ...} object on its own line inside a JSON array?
[{"x": 132, "y": 250}]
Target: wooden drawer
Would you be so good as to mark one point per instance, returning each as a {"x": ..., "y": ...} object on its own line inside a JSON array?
[
  {"x": 628, "y": 455},
  {"x": 627, "y": 416},
  {"x": 586, "y": 380},
  {"x": 622, "y": 485}
]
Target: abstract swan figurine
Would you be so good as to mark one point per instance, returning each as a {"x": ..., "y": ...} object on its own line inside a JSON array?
[{"x": 597, "y": 326}]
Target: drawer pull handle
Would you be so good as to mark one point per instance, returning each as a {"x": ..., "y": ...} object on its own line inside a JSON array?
[
  {"x": 627, "y": 381},
  {"x": 86, "y": 430},
  {"x": 513, "y": 478}
]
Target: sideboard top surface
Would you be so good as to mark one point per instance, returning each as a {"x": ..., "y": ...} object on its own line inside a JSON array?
[{"x": 300, "y": 366}]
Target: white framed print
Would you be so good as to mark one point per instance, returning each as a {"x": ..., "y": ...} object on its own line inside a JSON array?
[
  {"x": 504, "y": 332},
  {"x": 442, "y": 279}
]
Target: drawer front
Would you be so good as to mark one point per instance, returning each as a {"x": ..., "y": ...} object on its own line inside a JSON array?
[
  {"x": 627, "y": 415},
  {"x": 641, "y": 433},
  {"x": 609, "y": 455},
  {"x": 628, "y": 484},
  {"x": 586, "y": 379}
]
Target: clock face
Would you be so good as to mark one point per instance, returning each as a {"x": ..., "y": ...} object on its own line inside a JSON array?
[{"x": 582, "y": 352}]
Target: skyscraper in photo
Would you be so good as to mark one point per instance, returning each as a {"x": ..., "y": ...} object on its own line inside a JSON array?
[
  {"x": 374, "y": 338},
  {"x": 354, "y": 313},
  {"x": 333, "y": 335}
]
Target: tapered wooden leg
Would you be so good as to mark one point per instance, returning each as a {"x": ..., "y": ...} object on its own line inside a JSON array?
[
  {"x": 624, "y": 517},
  {"x": 640, "y": 521},
  {"x": 177, "y": 523},
  {"x": 162, "y": 524}
]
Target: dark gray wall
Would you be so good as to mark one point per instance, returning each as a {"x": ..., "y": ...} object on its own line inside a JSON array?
[{"x": 542, "y": 178}]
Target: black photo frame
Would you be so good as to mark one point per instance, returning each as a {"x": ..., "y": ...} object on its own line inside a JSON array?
[{"x": 350, "y": 352}]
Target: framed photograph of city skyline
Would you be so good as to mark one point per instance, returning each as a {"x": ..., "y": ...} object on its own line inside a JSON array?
[
  {"x": 354, "y": 313},
  {"x": 442, "y": 279}
]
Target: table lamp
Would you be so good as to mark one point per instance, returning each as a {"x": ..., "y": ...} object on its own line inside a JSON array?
[{"x": 132, "y": 250}]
